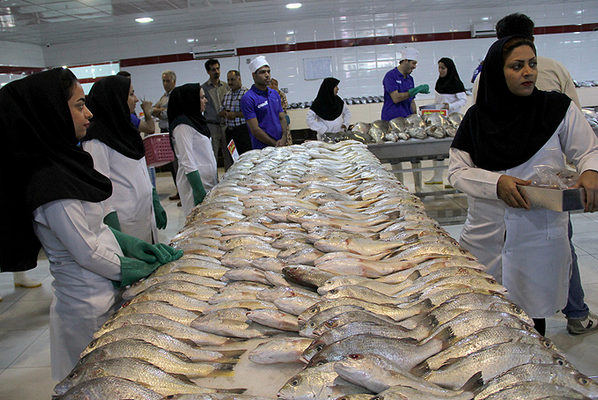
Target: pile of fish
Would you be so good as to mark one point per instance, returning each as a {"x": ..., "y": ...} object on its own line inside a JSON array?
[
  {"x": 432, "y": 125},
  {"x": 311, "y": 273}
]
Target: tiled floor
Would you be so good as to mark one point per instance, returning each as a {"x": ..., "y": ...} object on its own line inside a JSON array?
[{"x": 24, "y": 335}]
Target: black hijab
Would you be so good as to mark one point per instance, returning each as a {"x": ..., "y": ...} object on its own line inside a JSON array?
[
  {"x": 184, "y": 107},
  {"x": 502, "y": 130},
  {"x": 327, "y": 105},
  {"x": 43, "y": 162},
  {"x": 111, "y": 123},
  {"x": 451, "y": 83}
]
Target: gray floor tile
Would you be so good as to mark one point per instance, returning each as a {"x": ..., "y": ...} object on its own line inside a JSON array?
[
  {"x": 26, "y": 384},
  {"x": 14, "y": 342}
]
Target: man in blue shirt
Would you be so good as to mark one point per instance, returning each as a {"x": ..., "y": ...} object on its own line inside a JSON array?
[
  {"x": 262, "y": 109},
  {"x": 399, "y": 88}
]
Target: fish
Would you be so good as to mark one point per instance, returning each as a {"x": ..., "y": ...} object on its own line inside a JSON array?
[
  {"x": 271, "y": 294},
  {"x": 174, "y": 276},
  {"x": 216, "y": 396},
  {"x": 156, "y": 307},
  {"x": 535, "y": 390},
  {"x": 171, "y": 297},
  {"x": 164, "y": 341},
  {"x": 163, "y": 359},
  {"x": 233, "y": 328},
  {"x": 306, "y": 275},
  {"x": 110, "y": 387},
  {"x": 294, "y": 305},
  {"x": 231, "y": 242},
  {"x": 308, "y": 326},
  {"x": 133, "y": 369},
  {"x": 300, "y": 254},
  {"x": 274, "y": 319},
  {"x": 400, "y": 392},
  {"x": 214, "y": 271},
  {"x": 194, "y": 290},
  {"x": 354, "y": 244},
  {"x": 282, "y": 350},
  {"x": 248, "y": 274},
  {"x": 317, "y": 383},
  {"x": 268, "y": 264},
  {"x": 163, "y": 324}
]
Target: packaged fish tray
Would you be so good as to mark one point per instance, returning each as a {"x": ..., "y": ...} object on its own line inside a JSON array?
[{"x": 157, "y": 150}]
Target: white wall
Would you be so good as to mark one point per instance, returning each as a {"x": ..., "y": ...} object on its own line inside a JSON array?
[{"x": 360, "y": 69}]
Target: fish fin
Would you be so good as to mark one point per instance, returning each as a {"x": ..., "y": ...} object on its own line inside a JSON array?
[
  {"x": 413, "y": 297},
  {"x": 232, "y": 391},
  {"x": 413, "y": 276},
  {"x": 428, "y": 321},
  {"x": 183, "y": 378},
  {"x": 222, "y": 370},
  {"x": 231, "y": 356},
  {"x": 411, "y": 239},
  {"x": 190, "y": 343},
  {"x": 426, "y": 304},
  {"x": 421, "y": 369},
  {"x": 182, "y": 356},
  {"x": 474, "y": 384},
  {"x": 450, "y": 362},
  {"x": 445, "y": 337}
]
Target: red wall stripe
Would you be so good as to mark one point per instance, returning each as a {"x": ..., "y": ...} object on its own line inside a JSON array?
[{"x": 320, "y": 45}]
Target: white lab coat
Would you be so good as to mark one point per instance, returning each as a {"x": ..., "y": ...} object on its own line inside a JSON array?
[
  {"x": 131, "y": 190},
  {"x": 194, "y": 152},
  {"x": 526, "y": 250},
  {"x": 83, "y": 260},
  {"x": 455, "y": 101},
  {"x": 321, "y": 126}
]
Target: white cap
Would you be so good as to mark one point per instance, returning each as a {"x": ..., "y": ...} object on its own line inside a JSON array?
[
  {"x": 257, "y": 63},
  {"x": 409, "y": 53}
]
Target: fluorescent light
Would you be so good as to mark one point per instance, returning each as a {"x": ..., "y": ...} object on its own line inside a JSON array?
[
  {"x": 144, "y": 20},
  {"x": 290, "y": 32},
  {"x": 190, "y": 40},
  {"x": 485, "y": 19},
  {"x": 292, "y": 6}
]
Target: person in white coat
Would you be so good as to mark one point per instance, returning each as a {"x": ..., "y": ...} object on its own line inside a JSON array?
[
  {"x": 63, "y": 199},
  {"x": 328, "y": 112},
  {"x": 118, "y": 153},
  {"x": 512, "y": 128},
  {"x": 450, "y": 92},
  {"x": 190, "y": 139}
]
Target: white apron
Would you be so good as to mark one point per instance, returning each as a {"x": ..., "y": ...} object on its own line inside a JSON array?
[
  {"x": 84, "y": 297},
  {"x": 194, "y": 152},
  {"x": 131, "y": 190},
  {"x": 526, "y": 250}
]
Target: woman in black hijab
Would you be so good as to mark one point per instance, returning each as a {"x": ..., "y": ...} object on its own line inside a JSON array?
[
  {"x": 328, "y": 112},
  {"x": 451, "y": 93},
  {"x": 190, "y": 139},
  {"x": 118, "y": 153},
  {"x": 59, "y": 205},
  {"x": 513, "y": 128}
]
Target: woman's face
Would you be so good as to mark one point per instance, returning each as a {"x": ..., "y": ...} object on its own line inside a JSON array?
[
  {"x": 132, "y": 100},
  {"x": 79, "y": 111},
  {"x": 202, "y": 99},
  {"x": 521, "y": 71},
  {"x": 442, "y": 70},
  {"x": 335, "y": 90}
]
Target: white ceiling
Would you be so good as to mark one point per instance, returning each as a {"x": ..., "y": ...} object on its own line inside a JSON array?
[{"x": 59, "y": 21}]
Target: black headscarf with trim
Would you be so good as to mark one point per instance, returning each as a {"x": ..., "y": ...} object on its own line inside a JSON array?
[
  {"x": 184, "y": 107},
  {"x": 111, "y": 123},
  {"x": 43, "y": 162},
  {"x": 502, "y": 130},
  {"x": 328, "y": 105},
  {"x": 451, "y": 83}
]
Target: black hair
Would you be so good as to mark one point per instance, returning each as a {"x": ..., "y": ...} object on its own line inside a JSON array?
[
  {"x": 515, "y": 24},
  {"x": 515, "y": 42},
  {"x": 126, "y": 74},
  {"x": 211, "y": 62},
  {"x": 67, "y": 81}
]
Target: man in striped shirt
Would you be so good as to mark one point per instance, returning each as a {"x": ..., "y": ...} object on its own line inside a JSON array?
[{"x": 236, "y": 126}]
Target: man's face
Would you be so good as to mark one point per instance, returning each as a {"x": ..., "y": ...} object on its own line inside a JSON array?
[
  {"x": 262, "y": 76},
  {"x": 234, "y": 81},
  {"x": 168, "y": 82},
  {"x": 214, "y": 72},
  {"x": 410, "y": 66}
]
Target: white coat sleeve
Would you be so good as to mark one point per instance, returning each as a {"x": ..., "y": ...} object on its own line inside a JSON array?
[
  {"x": 578, "y": 140},
  {"x": 183, "y": 147},
  {"x": 465, "y": 177},
  {"x": 101, "y": 163},
  {"x": 346, "y": 115},
  {"x": 460, "y": 101},
  {"x": 68, "y": 222},
  {"x": 314, "y": 123}
]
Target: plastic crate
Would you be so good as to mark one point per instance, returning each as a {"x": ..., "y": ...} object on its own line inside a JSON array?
[{"x": 157, "y": 150}]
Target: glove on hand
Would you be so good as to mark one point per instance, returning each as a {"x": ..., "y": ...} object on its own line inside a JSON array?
[
  {"x": 196, "y": 187},
  {"x": 133, "y": 270},
  {"x": 112, "y": 221},
  {"x": 419, "y": 89},
  {"x": 161, "y": 218},
  {"x": 137, "y": 248}
]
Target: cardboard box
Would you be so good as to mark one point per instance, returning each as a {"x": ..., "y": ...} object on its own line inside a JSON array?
[{"x": 553, "y": 199}]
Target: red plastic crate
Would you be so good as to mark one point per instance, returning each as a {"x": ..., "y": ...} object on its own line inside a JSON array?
[{"x": 157, "y": 150}]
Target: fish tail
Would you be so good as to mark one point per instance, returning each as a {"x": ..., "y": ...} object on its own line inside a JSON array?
[
  {"x": 231, "y": 356},
  {"x": 232, "y": 391},
  {"x": 221, "y": 369},
  {"x": 445, "y": 337},
  {"x": 474, "y": 384},
  {"x": 421, "y": 369}
]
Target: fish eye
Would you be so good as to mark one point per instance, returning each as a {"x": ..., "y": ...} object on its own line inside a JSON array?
[
  {"x": 560, "y": 361},
  {"x": 295, "y": 382},
  {"x": 492, "y": 281},
  {"x": 333, "y": 291},
  {"x": 582, "y": 380},
  {"x": 73, "y": 375},
  {"x": 546, "y": 343},
  {"x": 355, "y": 356},
  {"x": 92, "y": 344}
]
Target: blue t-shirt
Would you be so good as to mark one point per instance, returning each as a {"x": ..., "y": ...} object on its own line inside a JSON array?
[
  {"x": 395, "y": 80},
  {"x": 265, "y": 106},
  {"x": 135, "y": 120}
]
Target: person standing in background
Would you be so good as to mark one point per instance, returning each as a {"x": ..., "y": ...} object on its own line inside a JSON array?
[
  {"x": 328, "y": 112},
  {"x": 450, "y": 92},
  {"x": 146, "y": 126},
  {"x": 160, "y": 111},
  {"x": 236, "y": 126},
  {"x": 399, "y": 96},
  {"x": 215, "y": 90},
  {"x": 285, "y": 106},
  {"x": 262, "y": 108},
  {"x": 118, "y": 153}
]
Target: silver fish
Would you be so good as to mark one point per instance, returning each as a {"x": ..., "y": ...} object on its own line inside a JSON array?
[
  {"x": 233, "y": 328},
  {"x": 145, "y": 284},
  {"x": 110, "y": 388},
  {"x": 156, "y": 307},
  {"x": 535, "y": 390},
  {"x": 274, "y": 319},
  {"x": 171, "y": 297},
  {"x": 295, "y": 305},
  {"x": 283, "y": 350}
]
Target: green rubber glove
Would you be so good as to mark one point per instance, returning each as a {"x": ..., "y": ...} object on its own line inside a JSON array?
[
  {"x": 136, "y": 248},
  {"x": 419, "y": 89},
  {"x": 176, "y": 254},
  {"x": 161, "y": 218},
  {"x": 112, "y": 221},
  {"x": 132, "y": 270},
  {"x": 196, "y": 187}
]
